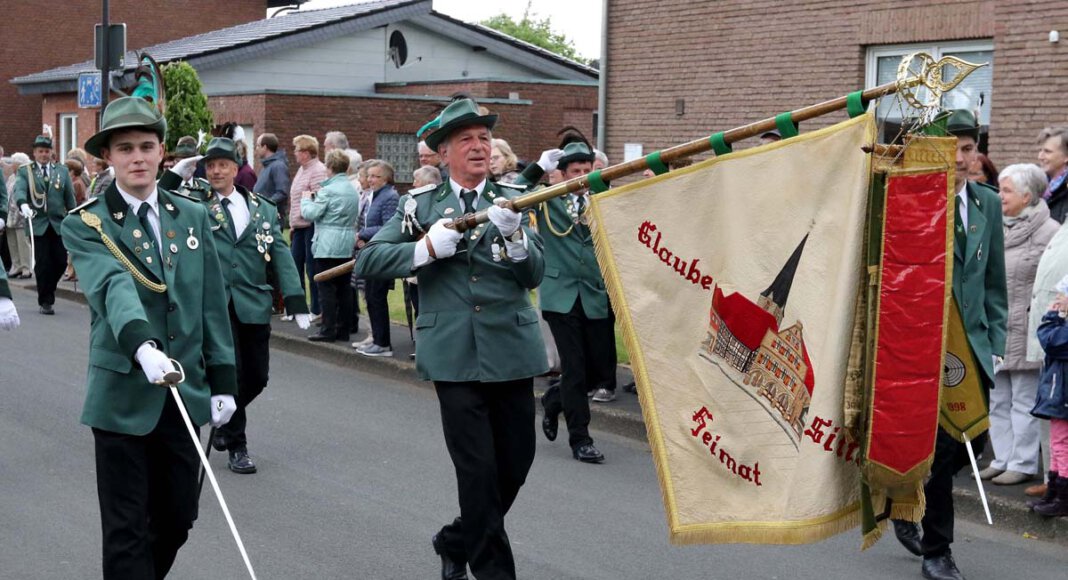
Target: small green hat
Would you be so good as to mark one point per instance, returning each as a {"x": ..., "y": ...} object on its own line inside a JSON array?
[
  {"x": 42, "y": 141},
  {"x": 962, "y": 123},
  {"x": 460, "y": 113},
  {"x": 126, "y": 113},
  {"x": 222, "y": 148},
  {"x": 185, "y": 150},
  {"x": 575, "y": 151}
]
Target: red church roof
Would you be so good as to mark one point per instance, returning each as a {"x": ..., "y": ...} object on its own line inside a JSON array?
[{"x": 745, "y": 320}]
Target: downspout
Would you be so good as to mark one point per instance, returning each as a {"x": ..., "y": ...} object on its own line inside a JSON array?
[{"x": 602, "y": 77}]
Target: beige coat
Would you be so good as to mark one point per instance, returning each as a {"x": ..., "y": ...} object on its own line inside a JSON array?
[{"x": 1024, "y": 243}]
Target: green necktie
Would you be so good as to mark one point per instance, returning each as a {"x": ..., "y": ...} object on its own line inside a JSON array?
[
  {"x": 469, "y": 200},
  {"x": 229, "y": 217},
  {"x": 142, "y": 214},
  {"x": 961, "y": 230}
]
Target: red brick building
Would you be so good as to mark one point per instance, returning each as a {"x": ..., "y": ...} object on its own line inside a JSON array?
[
  {"x": 689, "y": 69},
  {"x": 37, "y": 36}
]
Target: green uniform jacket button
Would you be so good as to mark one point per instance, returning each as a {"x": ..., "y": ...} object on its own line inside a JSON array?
[
  {"x": 170, "y": 308},
  {"x": 474, "y": 278},
  {"x": 478, "y": 309},
  {"x": 171, "y": 337}
]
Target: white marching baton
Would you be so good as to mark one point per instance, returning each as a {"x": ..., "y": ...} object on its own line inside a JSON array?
[
  {"x": 171, "y": 380},
  {"x": 978, "y": 480},
  {"x": 33, "y": 245}
]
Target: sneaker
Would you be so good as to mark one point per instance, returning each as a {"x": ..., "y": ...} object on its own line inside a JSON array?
[
  {"x": 603, "y": 395},
  {"x": 362, "y": 343},
  {"x": 989, "y": 473},
  {"x": 1011, "y": 477},
  {"x": 375, "y": 350}
]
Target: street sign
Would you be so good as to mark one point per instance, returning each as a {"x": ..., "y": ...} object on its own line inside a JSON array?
[
  {"x": 89, "y": 90},
  {"x": 116, "y": 46}
]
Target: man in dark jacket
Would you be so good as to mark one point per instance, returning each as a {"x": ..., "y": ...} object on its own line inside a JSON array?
[
  {"x": 273, "y": 182},
  {"x": 376, "y": 213}
]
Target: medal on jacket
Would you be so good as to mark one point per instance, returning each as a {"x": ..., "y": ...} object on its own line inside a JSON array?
[
  {"x": 409, "y": 223},
  {"x": 192, "y": 242}
]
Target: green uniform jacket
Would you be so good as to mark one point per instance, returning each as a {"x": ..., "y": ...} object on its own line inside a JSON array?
[
  {"x": 476, "y": 321},
  {"x": 979, "y": 276},
  {"x": 188, "y": 321},
  {"x": 334, "y": 210},
  {"x": 5, "y": 290},
  {"x": 571, "y": 269},
  {"x": 58, "y": 192}
]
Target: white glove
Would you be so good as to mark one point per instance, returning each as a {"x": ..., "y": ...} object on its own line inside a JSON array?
[
  {"x": 222, "y": 408},
  {"x": 2, "y": 224},
  {"x": 26, "y": 211},
  {"x": 443, "y": 239},
  {"x": 153, "y": 362},
  {"x": 549, "y": 158},
  {"x": 998, "y": 363},
  {"x": 9, "y": 317},
  {"x": 303, "y": 321},
  {"x": 186, "y": 167},
  {"x": 506, "y": 220}
]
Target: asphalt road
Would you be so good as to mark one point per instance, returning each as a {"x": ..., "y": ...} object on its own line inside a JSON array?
[{"x": 354, "y": 478}]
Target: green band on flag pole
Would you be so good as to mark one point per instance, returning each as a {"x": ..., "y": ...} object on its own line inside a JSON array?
[
  {"x": 597, "y": 185},
  {"x": 719, "y": 145},
  {"x": 654, "y": 163},
  {"x": 786, "y": 125},
  {"x": 855, "y": 105}
]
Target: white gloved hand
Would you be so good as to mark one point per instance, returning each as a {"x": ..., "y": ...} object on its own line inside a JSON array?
[
  {"x": 506, "y": 220},
  {"x": 998, "y": 363},
  {"x": 9, "y": 317},
  {"x": 443, "y": 239},
  {"x": 153, "y": 362},
  {"x": 303, "y": 321},
  {"x": 26, "y": 211},
  {"x": 186, "y": 167},
  {"x": 549, "y": 158},
  {"x": 2, "y": 224},
  {"x": 222, "y": 408}
]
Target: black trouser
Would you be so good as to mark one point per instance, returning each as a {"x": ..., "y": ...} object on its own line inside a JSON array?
[
  {"x": 377, "y": 294},
  {"x": 587, "y": 361},
  {"x": 489, "y": 431},
  {"x": 354, "y": 327},
  {"x": 50, "y": 259},
  {"x": 949, "y": 457},
  {"x": 147, "y": 487},
  {"x": 335, "y": 298},
  {"x": 252, "y": 353}
]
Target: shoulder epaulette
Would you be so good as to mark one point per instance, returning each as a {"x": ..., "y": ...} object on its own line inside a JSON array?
[
  {"x": 422, "y": 189},
  {"x": 261, "y": 198},
  {"x": 84, "y": 205},
  {"x": 185, "y": 196},
  {"x": 515, "y": 186}
]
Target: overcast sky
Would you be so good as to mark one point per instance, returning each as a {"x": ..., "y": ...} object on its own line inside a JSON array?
[{"x": 579, "y": 20}]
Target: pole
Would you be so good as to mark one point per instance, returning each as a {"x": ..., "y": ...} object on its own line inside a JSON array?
[
  {"x": 105, "y": 70},
  {"x": 978, "y": 481}
]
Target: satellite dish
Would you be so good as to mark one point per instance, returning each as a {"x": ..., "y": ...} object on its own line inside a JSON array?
[{"x": 398, "y": 49}]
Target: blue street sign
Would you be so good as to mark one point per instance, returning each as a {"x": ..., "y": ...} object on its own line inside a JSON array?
[{"x": 89, "y": 90}]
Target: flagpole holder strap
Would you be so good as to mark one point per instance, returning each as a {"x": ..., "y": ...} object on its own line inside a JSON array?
[
  {"x": 654, "y": 163},
  {"x": 855, "y": 104},
  {"x": 597, "y": 184},
  {"x": 719, "y": 144},
  {"x": 786, "y": 126}
]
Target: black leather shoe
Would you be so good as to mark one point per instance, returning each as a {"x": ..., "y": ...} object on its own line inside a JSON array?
[
  {"x": 240, "y": 462},
  {"x": 908, "y": 533},
  {"x": 550, "y": 422},
  {"x": 320, "y": 337},
  {"x": 941, "y": 568},
  {"x": 220, "y": 441},
  {"x": 588, "y": 454},
  {"x": 47, "y": 309},
  {"x": 451, "y": 568}
]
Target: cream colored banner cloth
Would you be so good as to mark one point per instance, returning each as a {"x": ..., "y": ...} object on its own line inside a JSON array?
[{"x": 735, "y": 280}]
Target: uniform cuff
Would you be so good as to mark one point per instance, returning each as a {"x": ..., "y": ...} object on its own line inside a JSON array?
[
  {"x": 222, "y": 379},
  {"x": 5, "y": 290},
  {"x": 133, "y": 335},
  {"x": 296, "y": 305}
]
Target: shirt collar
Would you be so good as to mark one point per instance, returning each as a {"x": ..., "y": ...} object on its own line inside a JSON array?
[
  {"x": 135, "y": 204},
  {"x": 457, "y": 188}
]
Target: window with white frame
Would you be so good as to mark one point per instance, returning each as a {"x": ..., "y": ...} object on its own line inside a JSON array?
[
  {"x": 883, "y": 61},
  {"x": 399, "y": 149},
  {"x": 68, "y": 135}
]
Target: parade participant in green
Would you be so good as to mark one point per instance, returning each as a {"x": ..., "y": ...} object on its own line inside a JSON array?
[
  {"x": 44, "y": 194},
  {"x": 252, "y": 251},
  {"x": 980, "y": 291},
  {"x": 479, "y": 339},
  {"x": 146, "y": 312},
  {"x": 185, "y": 166}
]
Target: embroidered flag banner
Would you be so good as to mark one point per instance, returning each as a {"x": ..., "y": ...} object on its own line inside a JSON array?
[{"x": 736, "y": 282}]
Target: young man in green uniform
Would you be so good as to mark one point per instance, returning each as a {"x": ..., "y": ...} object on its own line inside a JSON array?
[
  {"x": 252, "y": 251},
  {"x": 44, "y": 194},
  {"x": 146, "y": 312},
  {"x": 981, "y": 294},
  {"x": 479, "y": 339}
]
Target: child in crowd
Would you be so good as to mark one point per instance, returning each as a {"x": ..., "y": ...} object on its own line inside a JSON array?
[{"x": 1052, "y": 404}]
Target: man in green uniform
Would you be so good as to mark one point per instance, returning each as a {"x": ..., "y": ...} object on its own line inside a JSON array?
[
  {"x": 186, "y": 162},
  {"x": 479, "y": 339},
  {"x": 981, "y": 294},
  {"x": 146, "y": 312},
  {"x": 248, "y": 238},
  {"x": 44, "y": 194}
]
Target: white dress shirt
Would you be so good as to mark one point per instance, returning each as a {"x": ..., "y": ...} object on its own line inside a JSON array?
[
  {"x": 135, "y": 205},
  {"x": 238, "y": 210},
  {"x": 962, "y": 203}
]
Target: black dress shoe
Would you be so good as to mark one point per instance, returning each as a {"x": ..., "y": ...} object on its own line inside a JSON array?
[
  {"x": 908, "y": 533},
  {"x": 452, "y": 568},
  {"x": 941, "y": 568},
  {"x": 47, "y": 309},
  {"x": 550, "y": 424},
  {"x": 588, "y": 454},
  {"x": 220, "y": 441},
  {"x": 240, "y": 462},
  {"x": 322, "y": 337}
]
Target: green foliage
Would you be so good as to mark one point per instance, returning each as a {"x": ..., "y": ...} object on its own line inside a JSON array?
[
  {"x": 536, "y": 32},
  {"x": 187, "y": 106}
]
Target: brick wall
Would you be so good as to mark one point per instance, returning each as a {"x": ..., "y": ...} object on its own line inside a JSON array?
[
  {"x": 38, "y": 36},
  {"x": 738, "y": 61}
]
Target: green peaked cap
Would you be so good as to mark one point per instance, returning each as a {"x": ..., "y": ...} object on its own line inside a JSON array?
[
  {"x": 458, "y": 114},
  {"x": 962, "y": 123},
  {"x": 222, "y": 148},
  {"x": 126, "y": 113},
  {"x": 575, "y": 151},
  {"x": 42, "y": 141}
]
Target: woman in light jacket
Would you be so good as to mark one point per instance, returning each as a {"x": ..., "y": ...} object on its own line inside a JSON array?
[{"x": 333, "y": 209}]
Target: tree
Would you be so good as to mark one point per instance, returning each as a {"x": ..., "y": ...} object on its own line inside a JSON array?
[
  {"x": 187, "y": 107},
  {"x": 536, "y": 32}
]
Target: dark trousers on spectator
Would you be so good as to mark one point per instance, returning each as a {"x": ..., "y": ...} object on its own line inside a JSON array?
[
  {"x": 300, "y": 240},
  {"x": 147, "y": 485},
  {"x": 252, "y": 353},
  {"x": 489, "y": 431},
  {"x": 50, "y": 259},
  {"x": 336, "y": 299},
  {"x": 949, "y": 457},
  {"x": 377, "y": 294}
]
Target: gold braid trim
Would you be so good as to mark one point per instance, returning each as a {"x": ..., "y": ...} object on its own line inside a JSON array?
[
  {"x": 93, "y": 221},
  {"x": 38, "y": 200},
  {"x": 549, "y": 222}
]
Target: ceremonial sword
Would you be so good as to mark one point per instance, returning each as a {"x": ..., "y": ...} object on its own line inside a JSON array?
[{"x": 171, "y": 380}]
